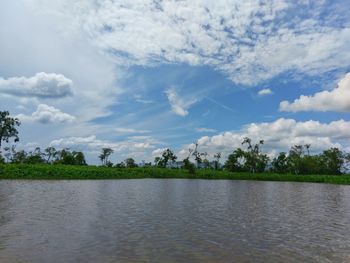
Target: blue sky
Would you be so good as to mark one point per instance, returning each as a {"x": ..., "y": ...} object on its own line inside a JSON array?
[{"x": 145, "y": 75}]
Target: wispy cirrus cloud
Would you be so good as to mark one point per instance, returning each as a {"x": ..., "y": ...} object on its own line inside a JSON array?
[
  {"x": 95, "y": 45},
  {"x": 249, "y": 41},
  {"x": 203, "y": 129},
  {"x": 179, "y": 105},
  {"x": 129, "y": 130}
]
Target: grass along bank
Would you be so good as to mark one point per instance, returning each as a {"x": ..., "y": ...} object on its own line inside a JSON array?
[{"x": 67, "y": 172}]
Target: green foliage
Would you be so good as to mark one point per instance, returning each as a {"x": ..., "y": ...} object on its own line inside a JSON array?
[
  {"x": 189, "y": 166},
  {"x": 105, "y": 153},
  {"x": 236, "y": 161},
  {"x": 299, "y": 161},
  {"x": 280, "y": 163},
  {"x": 217, "y": 157},
  {"x": 67, "y": 172},
  {"x": 109, "y": 164},
  {"x": 50, "y": 153},
  {"x": 120, "y": 165},
  {"x": 333, "y": 161},
  {"x": 2, "y": 159},
  {"x": 67, "y": 157},
  {"x": 167, "y": 156},
  {"x": 130, "y": 163},
  {"x": 255, "y": 161},
  {"x": 197, "y": 155},
  {"x": 8, "y": 127},
  {"x": 250, "y": 160}
]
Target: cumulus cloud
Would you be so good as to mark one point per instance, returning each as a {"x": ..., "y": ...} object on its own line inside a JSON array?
[
  {"x": 279, "y": 135},
  {"x": 158, "y": 152},
  {"x": 265, "y": 92},
  {"x": 337, "y": 99},
  {"x": 47, "y": 114},
  {"x": 41, "y": 85},
  {"x": 179, "y": 105}
]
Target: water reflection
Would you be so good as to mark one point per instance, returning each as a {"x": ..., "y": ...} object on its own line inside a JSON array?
[{"x": 173, "y": 221}]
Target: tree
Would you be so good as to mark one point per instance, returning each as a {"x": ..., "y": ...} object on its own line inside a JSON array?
[
  {"x": 9, "y": 153},
  {"x": 64, "y": 156},
  {"x": 189, "y": 166},
  {"x": 235, "y": 161},
  {"x": 280, "y": 163},
  {"x": 130, "y": 163},
  {"x": 19, "y": 157},
  {"x": 217, "y": 157},
  {"x": 197, "y": 155},
  {"x": 167, "y": 156},
  {"x": 79, "y": 158},
  {"x": 307, "y": 147},
  {"x": 157, "y": 161},
  {"x": 333, "y": 161},
  {"x": 8, "y": 127},
  {"x": 67, "y": 157},
  {"x": 120, "y": 165},
  {"x": 255, "y": 161},
  {"x": 50, "y": 152},
  {"x": 35, "y": 156},
  {"x": 295, "y": 159},
  {"x": 105, "y": 153},
  {"x": 205, "y": 161}
]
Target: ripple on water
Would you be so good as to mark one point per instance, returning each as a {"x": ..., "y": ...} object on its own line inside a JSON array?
[{"x": 173, "y": 221}]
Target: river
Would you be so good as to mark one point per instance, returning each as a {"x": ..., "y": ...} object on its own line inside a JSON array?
[{"x": 173, "y": 220}]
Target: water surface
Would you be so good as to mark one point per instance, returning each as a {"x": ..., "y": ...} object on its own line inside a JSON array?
[{"x": 173, "y": 220}]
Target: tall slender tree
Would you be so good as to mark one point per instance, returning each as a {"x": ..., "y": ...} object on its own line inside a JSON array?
[
  {"x": 105, "y": 153},
  {"x": 217, "y": 157},
  {"x": 8, "y": 128}
]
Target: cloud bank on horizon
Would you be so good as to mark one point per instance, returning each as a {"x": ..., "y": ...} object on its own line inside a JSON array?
[{"x": 145, "y": 75}]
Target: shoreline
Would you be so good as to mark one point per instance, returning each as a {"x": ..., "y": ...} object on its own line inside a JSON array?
[{"x": 67, "y": 172}]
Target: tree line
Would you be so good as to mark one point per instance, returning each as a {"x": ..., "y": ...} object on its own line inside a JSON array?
[{"x": 248, "y": 158}]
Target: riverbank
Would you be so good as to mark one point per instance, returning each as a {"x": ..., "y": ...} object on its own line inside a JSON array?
[{"x": 66, "y": 172}]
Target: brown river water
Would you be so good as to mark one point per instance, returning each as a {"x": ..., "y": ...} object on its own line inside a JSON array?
[{"x": 173, "y": 220}]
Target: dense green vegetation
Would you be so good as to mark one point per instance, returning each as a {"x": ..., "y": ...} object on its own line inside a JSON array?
[
  {"x": 248, "y": 163},
  {"x": 68, "y": 172}
]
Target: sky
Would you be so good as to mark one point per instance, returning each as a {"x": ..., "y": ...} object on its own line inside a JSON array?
[{"x": 145, "y": 75}]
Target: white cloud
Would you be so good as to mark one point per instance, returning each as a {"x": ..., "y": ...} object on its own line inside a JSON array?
[
  {"x": 265, "y": 92},
  {"x": 37, "y": 36},
  {"x": 337, "y": 99},
  {"x": 92, "y": 41},
  {"x": 179, "y": 105},
  {"x": 203, "y": 129},
  {"x": 158, "y": 152},
  {"x": 41, "y": 85},
  {"x": 249, "y": 41},
  {"x": 47, "y": 114},
  {"x": 279, "y": 135},
  {"x": 91, "y": 143},
  {"x": 129, "y": 130}
]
